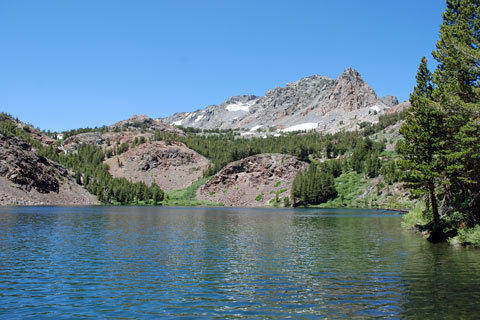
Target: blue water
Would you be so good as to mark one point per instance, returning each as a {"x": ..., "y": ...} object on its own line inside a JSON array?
[{"x": 144, "y": 262}]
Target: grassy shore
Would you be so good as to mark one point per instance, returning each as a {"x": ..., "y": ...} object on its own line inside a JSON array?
[{"x": 186, "y": 196}]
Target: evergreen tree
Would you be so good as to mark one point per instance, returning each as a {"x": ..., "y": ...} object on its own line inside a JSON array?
[
  {"x": 313, "y": 186},
  {"x": 422, "y": 131},
  {"x": 458, "y": 80}
]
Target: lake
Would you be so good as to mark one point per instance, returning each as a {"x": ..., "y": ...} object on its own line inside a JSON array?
[{"x": 174, "y": 262}]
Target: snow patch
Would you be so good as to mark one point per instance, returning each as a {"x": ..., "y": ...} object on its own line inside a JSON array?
[
  {"x": 176, "y": 123},
  {"x": 375, "y": 108},
  {"x": 256, "y": 127},
  {"x": 246, "y": 133},
  {"x": 200, "y": 117},
  {"x": 245, "y": 107},
  {"x": 303, "y": 126}
]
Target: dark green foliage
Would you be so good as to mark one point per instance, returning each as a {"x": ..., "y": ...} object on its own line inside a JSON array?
[
  {"x": 457, "y": 77},
  {"x": 365, "y": 157},
  {"x": 313, "y": 186},
  {"x": 74, "y": 132},
  {"x": 222, "y": 149},
  {"x": 122, "y": 148},
  {"x": 88, "y": 160},
  {"x": 286, "y": 202},
  {"x": 390, "y": 172},
  {"x": 373, "y": 164},
  {"x": 423, "y": 140},
  {"x": 384, "y": 121},
  {"x": 442, "y": 147}
]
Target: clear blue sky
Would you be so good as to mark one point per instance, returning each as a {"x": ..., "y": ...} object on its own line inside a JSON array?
[{"x": 69, "y": 64}]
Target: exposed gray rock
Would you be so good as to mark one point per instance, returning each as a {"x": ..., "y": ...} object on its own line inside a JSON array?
[
  {"x": 389, "y": 100},
  {"x": 144, "y": 122},
  {"x": 315, "y": 102},
  {"x": 223, "y": 116},
  {"x": 24, "y": 167}
]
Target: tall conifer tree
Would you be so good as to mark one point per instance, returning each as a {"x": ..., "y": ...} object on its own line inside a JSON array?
[
  {"x": 422, "y": 131},
  {"x": 458, "y": 80}
]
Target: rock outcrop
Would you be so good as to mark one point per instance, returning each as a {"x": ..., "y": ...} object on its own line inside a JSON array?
[
  {"x": 104, "y": 140},
  {"x": 255, "y": 181},
  {"x": 171, "y": 166},
  {"x": 399, "y": 107},
  {"x": 29, "y": 178},
  {"x": 144, "y": 122},
  {"x": 22, "y": 166},
  {"x": 351, "y": 93}
]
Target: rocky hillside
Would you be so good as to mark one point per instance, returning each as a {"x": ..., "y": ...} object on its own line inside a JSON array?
[
  {"x": 171, "y": 166},
  {"x": 255, "y": 181},
  {"x": 121, "y": 132},
  {"x": 105, "y": 140},
  {"x": 28, "y": 178},
  {"x": 314, "y": 102},
  {"x": 144, "y": 122}
]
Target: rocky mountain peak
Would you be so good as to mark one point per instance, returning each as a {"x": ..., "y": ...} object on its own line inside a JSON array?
[
  {"x": 351, "y": 76},
  {"x": 307, "y": 82},
  {"x": 314, "y": 102},
  {"x": 351, "y": 92},
  {"x": 240, "y": 99}
]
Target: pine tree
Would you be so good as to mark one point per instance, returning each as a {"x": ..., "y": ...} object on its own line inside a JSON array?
[
  {"x": 422, "y": 131},
  {"x": 296, "y": 191},
  {"x": 458, "y": 80}
]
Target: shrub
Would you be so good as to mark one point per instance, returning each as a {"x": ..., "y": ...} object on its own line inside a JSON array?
[
  {"x": 469, "y": 236},
  {"x": 418, "y": 216}
]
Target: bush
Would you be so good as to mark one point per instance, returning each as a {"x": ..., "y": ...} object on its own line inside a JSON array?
[
  {"x": 468, "y": 236},
  {"x": 418, "y": 216}
]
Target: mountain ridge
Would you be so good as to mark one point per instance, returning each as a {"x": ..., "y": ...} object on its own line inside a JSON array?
[{"x": 314, "y": 102}]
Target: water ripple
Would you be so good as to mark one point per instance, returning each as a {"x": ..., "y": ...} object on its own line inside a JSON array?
[{"x": 128, "y": 262}]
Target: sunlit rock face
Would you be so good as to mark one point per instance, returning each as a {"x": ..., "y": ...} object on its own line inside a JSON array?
[{"x": 312, "y": 103}]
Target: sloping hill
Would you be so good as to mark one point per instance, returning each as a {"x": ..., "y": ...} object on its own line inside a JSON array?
[
  {"x": 171, "y": 166},
  {"x": 28, "y": 178},
  {"x": 255, "y": 181}
]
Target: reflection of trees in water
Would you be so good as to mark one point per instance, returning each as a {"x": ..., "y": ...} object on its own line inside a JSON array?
[
  {"x": 353, "y": 268},
  {"x": 441, "y": 282}
]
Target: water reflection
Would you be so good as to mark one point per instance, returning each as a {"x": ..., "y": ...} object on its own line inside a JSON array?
[{"x": 216, "y": 262}]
